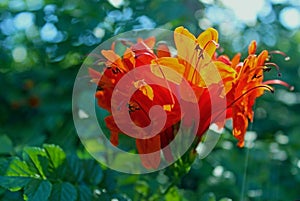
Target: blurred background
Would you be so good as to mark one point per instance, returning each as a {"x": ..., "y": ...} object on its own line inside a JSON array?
[{"x": 44, "y": 42}]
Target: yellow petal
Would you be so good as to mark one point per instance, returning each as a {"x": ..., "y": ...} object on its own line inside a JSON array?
[
  {"x": 208, "y": 40},
  {"x": 168, "y": 68},
  {"x": 185, "y": 44},
  {"x": 147, "y": 91},
  {"x": 227, "y": 74},
  {"x": 211, "y": 74},
  {"x": 113, "y": 58},
  {"x": 145, "y": 88}
]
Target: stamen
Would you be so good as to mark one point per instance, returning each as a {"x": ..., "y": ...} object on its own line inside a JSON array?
[
  {"x": 274, "y": 65},
  {"x": 264, "y": 68},
  {"x": 201, "y": 54},
  {"x": 287, "y": 58},
  {"x": 145, "y": 53},
  {"x": 216, "y": 44},
  {"x": 244, "y": 94},
  {"x": 126, "y": 42},
  {"x": 256, "y": 76},
  {"x": 132, "y": 107},
  {"x": 290, "y": 87},
  {"x": 211, "y": 41},
  {"x": 198, "y": 58},
  {"x": 250, "y": 90},
  {"x": 168, "y": 85}
]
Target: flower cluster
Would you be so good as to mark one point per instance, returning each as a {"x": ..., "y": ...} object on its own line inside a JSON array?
[{"x": 221, "y": 89}]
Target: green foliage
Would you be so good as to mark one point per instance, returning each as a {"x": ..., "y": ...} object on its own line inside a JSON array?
[
  {"x": 7, "y": 146},
  {"x": 48, "y": 174}
]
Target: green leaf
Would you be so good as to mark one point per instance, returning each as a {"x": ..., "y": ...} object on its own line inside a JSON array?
[
  {"x": 20, "y": 169},
  {"x": 37, "y": 158},
  {"x": 37, "y": 190},
  {"x": 75, "y": 171},
  {"x": 85, "y": 193},
  {"x": 93, "y": 172},
  {"x": 55, "y": 154},
  {"x": 13, "y": 183},
  {"x": 4, "y": 163},
  {"x": 57, "y": 158},
  {"x": 142, "y": 188},
  {"x": 63, "y": 192},
  {"x": 173, "y": 195},
  {"x": 17, "y": 175},
  {"x": 6, "y": 145},
  {"x": 110, "y": 181}
]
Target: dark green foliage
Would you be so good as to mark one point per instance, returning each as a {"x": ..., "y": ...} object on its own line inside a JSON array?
[{"x": 47, "y": 173}]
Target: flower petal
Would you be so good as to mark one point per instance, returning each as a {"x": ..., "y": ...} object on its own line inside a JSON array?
[
  {"x": 252, "y": 47},
  {"x": 208, "y": 41},
  {"x": 149, "y": 150},
  {"x": 169, "y": 69},
  {"x": 162, "y": 50}
]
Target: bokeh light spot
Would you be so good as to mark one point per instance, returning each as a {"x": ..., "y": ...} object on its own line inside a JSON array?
[
  {"x": 99, "y": 32},
  {"x": 17, "y": 5},
  {"x": 290, "y": 18},
  {"x": 24, "y": 20},
  {"x": 245, "y": 11},
  {"x": 19, "y": 54},
  {"x": 116, "y": 3},
  {"x": 34, "y": 4},
  {"x": 48, "y": 32}
]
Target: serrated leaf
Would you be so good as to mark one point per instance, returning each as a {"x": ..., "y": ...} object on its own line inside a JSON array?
[
  {"x": 37, "y": 190},
  {"x": 75, "y": 172},
  {"x": 13, "y": 183},
  {"x": 57, "y": 158},
  {"x": 63, "y": 192},
  {"x": 20, "y": 168},
  {"x": 37, "y": 158},
  {"x": 93, "y": 172},
  {"x": 6, "y": 145},
  {"x": 55, "y": 154},
  {"x": 85, "y": 193}
]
